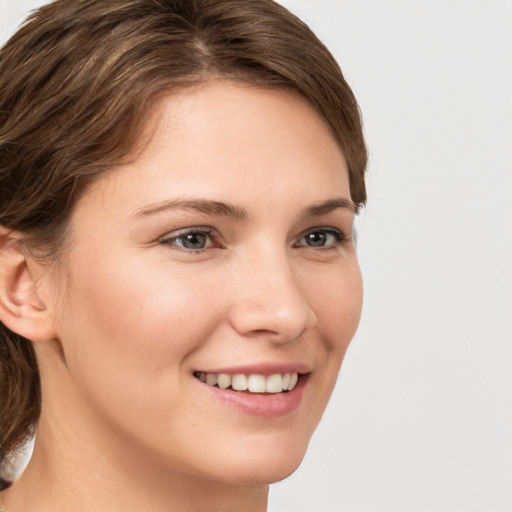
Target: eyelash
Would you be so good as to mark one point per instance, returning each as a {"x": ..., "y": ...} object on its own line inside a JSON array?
[
  {"x": 199, "y": 230},
  {"x": 339, "y": 238}
]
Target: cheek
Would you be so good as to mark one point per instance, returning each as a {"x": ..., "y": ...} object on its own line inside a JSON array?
[
  {"x": 338, "y": 305},
  {"x": 134, "y": 319}
]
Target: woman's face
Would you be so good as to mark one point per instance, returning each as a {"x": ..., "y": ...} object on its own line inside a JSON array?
[{"x": 225, "y": 249}]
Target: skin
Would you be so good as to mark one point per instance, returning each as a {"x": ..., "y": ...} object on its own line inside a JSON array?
[{"x": 133, "y": 313}]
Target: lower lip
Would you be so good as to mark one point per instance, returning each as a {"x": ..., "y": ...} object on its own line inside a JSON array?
[{"x": 263, "y": 405}]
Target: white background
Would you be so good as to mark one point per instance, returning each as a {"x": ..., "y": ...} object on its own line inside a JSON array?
[{"x": 421, "y": 420}]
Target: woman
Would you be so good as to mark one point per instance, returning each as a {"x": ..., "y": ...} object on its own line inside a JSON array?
[{"x": 178, "y": 279}]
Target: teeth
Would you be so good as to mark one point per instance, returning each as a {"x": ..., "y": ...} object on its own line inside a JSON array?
[
  {"x": 274, "y": 384},
  {"x": 293, "y": 380},
  {"x": 211, "y": 379},
  {"x": 224, "y": 380},
  {"x": 239, "y": 382},
  {"x": 254, "y": 383}
]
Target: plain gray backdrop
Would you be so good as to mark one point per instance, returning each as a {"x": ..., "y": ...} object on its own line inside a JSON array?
[{"x": 421, "y": 419}]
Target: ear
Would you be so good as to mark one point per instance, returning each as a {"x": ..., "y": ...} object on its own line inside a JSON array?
[{"x": 22, "y": 309}]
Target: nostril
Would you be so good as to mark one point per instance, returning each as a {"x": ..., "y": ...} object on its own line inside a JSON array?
[{"x": 277, "y": 322}]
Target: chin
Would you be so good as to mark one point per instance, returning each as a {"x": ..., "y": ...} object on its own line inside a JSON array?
[{"x": 264, "y": 468}]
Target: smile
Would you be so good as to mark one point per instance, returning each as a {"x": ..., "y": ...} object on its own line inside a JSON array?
[{"x": 253, "y": 383}]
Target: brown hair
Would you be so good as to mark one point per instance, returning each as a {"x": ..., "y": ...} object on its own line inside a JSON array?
[{"x": 76, "y": 81}]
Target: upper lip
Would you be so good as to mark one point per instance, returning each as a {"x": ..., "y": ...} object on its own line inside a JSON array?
[{"x": 265, "y": 369}]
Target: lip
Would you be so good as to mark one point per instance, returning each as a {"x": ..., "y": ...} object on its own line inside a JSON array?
[
  {"x": 264, "y": 369},
  {"x": 262, "y": 405}
]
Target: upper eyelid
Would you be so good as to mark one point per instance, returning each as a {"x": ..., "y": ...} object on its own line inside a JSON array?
[
  {"x": 324, "y": 228},
  {"x": 170, "y": 239},
  {"x": 185, "y": 231},
  {"x": 215, "y": 235},
  {"x": 338, "y": 234}
]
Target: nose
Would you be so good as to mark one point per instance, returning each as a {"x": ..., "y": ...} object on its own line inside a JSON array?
[{"x": 270, "y": 301}]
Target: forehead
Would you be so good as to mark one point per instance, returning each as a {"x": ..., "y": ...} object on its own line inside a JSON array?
[{"x": 230, "y": 140}]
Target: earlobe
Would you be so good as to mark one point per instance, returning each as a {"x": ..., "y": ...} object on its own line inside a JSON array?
[{"x": 21, "y": 308}]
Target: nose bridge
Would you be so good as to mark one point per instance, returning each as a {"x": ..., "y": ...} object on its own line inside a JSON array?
[{"x": 270, "y": 300}]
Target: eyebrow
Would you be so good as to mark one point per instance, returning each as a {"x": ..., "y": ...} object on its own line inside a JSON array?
[
  {"x": 222, "y": 209},
  {"x": 216, "y": 208},
  {"x": 325, "y": 207}
]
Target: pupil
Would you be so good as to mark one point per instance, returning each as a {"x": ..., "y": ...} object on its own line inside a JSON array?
[
  {"x": 194, "y": 241},
  {"x": 316, "y": 239}
]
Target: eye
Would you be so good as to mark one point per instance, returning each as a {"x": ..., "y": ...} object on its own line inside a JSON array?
[
  {"x": 193, "y": 239},
  {"x": 321, "y": 237}
]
